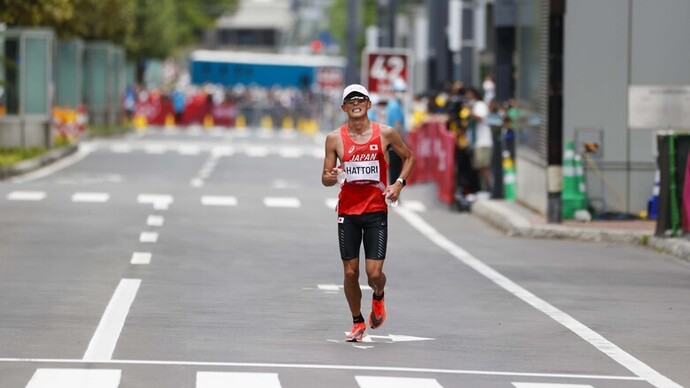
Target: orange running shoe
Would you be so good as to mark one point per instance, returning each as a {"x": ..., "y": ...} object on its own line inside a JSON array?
[
  {"x": 357, "y": 332},
  {"x": 378, "y": 313}
]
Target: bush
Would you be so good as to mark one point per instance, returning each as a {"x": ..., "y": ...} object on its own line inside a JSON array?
[{"x": 10, "y": 156}]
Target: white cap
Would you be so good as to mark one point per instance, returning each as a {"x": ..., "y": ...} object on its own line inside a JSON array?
[{"x": 355, "y": 88}]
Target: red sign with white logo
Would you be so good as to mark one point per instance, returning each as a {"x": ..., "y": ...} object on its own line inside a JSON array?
[{"x": 387, "y": 71}]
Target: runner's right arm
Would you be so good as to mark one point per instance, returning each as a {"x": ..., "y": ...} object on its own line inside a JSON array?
[{"x": 329, "y": 177}]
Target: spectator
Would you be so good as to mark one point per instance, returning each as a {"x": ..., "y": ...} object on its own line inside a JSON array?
[
  {"x": 482, "y": 139},
  {"x": 489, "y": 87}
]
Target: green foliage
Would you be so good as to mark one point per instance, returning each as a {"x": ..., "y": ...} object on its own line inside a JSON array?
[
  {"x": 146, "y": 28},
  {"x": 11, "y": 156}
]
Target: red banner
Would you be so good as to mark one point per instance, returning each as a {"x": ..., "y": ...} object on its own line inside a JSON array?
[{"x": 434, "y": 149}]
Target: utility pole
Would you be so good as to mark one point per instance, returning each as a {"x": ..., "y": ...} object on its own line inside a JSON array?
[
  {"x": 554, "y": 177},
  {"x": 351, "y": 75}
]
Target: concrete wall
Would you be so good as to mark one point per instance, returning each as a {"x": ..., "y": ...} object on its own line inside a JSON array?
[{"x": 609, "y": 45}]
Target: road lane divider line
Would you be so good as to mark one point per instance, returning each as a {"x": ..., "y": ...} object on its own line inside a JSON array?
[
  {"x": 26, "y": 196},
  {"x": 236, "y": 379},
  {"x": 107, "y": 333},
  {"x": 154, "y": 220},
  {"x": 550, "y": 385},
  {"x": 210, "y": 200},
  {"x": 607, "y": 347},
  {"x": 148, "y": 237},
  {"x": 290, "y": 202},
  {"x": 393, "y": 369},
  {"x": 90, "y": 197},
  {"x": 141, "y": 258},
  {"x": 75, "y": 378}
]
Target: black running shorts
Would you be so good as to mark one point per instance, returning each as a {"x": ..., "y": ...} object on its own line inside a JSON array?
[{"x": 374, "y": 228}]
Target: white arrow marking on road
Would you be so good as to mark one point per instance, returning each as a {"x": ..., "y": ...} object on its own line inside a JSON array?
[
  {"x": 401, "y": 338},
  {"x": 362, "y": 347},
  {"x": 392, "y": 338}
]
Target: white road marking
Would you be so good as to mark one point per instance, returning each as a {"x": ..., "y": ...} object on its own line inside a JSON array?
[
  {"x": 153, "y": 220},
  {"x": 550, "y": 385},
  {"x": 121, "y": 148},
  {"x": 415, "y": 206},
  {"x": 159, "y": 201},
  {"x": 105, "y": 338},
  {"x": 282, "y": 202},
  {"x": 290, "y": 152},
  {"x": 90, "y": 197},
  {"x": 141, "y": 258},
  {"x": 265, "y": 134},
  {"x": 155, "y": 149},
  {"x": 161, "y": 205},
  {"x": 84, "y": 151},
  {"x": 209, "y": 200},
  {"x": 332, "y": 203},
  {"x": 188, "y": 149},
  {"x": 197, "y": 182},
  {"x": 396, "y": 382},
  {"x": 236, "y": 379},
  {"x": 338, "y": 287},
  {"x": 288, "y": 134},
  {"x": 26, "y": 196},
  {"x": 318, "y": 153},
  {"x": 326, "y": 367},
  {"x": 256, "y": 152},
  {"x": 148, "y": 237},
  {"x": 223, "y": 151},
  {"x": 595, "y": 339},
  {"x": 75, "y": 378}
]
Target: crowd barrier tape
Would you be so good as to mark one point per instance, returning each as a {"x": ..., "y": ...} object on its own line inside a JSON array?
[{"x": 434, "y": 149}]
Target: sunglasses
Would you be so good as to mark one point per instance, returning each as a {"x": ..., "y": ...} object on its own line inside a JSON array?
[{"x": 355, "y": 99}]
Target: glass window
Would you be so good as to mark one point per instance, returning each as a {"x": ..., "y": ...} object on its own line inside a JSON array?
[
  {"x": 9, "y": 77},
  {"x": 36, "y": 76}
]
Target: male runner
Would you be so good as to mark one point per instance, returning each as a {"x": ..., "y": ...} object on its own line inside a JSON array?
[{"x": 360, "y": 146}]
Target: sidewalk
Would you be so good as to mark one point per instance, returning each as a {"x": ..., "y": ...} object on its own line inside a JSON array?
[{"x": 517, "y": 220}]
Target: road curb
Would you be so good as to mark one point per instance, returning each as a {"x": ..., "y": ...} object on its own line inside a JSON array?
[
  {"x": 49, "y": 157},
  {"x": 499, "y": 214}
]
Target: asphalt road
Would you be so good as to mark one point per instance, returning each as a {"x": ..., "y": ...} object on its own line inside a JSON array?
[{"x": 209, "y": 259}]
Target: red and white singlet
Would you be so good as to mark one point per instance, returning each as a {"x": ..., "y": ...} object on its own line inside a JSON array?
[{"x": 367, "y": 173}]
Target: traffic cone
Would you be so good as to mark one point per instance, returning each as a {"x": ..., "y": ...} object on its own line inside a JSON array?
[
  {"x": 653, "y": 203},
  {"x": 509, "y": 192},
  {"x": 572, "y": 198}
]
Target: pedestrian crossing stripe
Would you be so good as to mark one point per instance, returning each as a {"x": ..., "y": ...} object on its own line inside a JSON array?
[
  {"x": 75, "y": 378},
  {"x": 236, "y": 379},
  {"x": 396, "y": 382},
  {"x": 163, "y": 201},
  {"x": 26, "y": 196}
]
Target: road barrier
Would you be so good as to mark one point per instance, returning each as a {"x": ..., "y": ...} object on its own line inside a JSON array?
[{"x": 434, "y": 149}]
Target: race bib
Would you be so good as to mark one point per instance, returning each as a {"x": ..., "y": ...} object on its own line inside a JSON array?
[{"x": 362, "y": 172}]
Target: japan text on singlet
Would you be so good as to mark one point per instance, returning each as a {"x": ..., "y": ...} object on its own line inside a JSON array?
[{"x": 367, "y": 173}]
